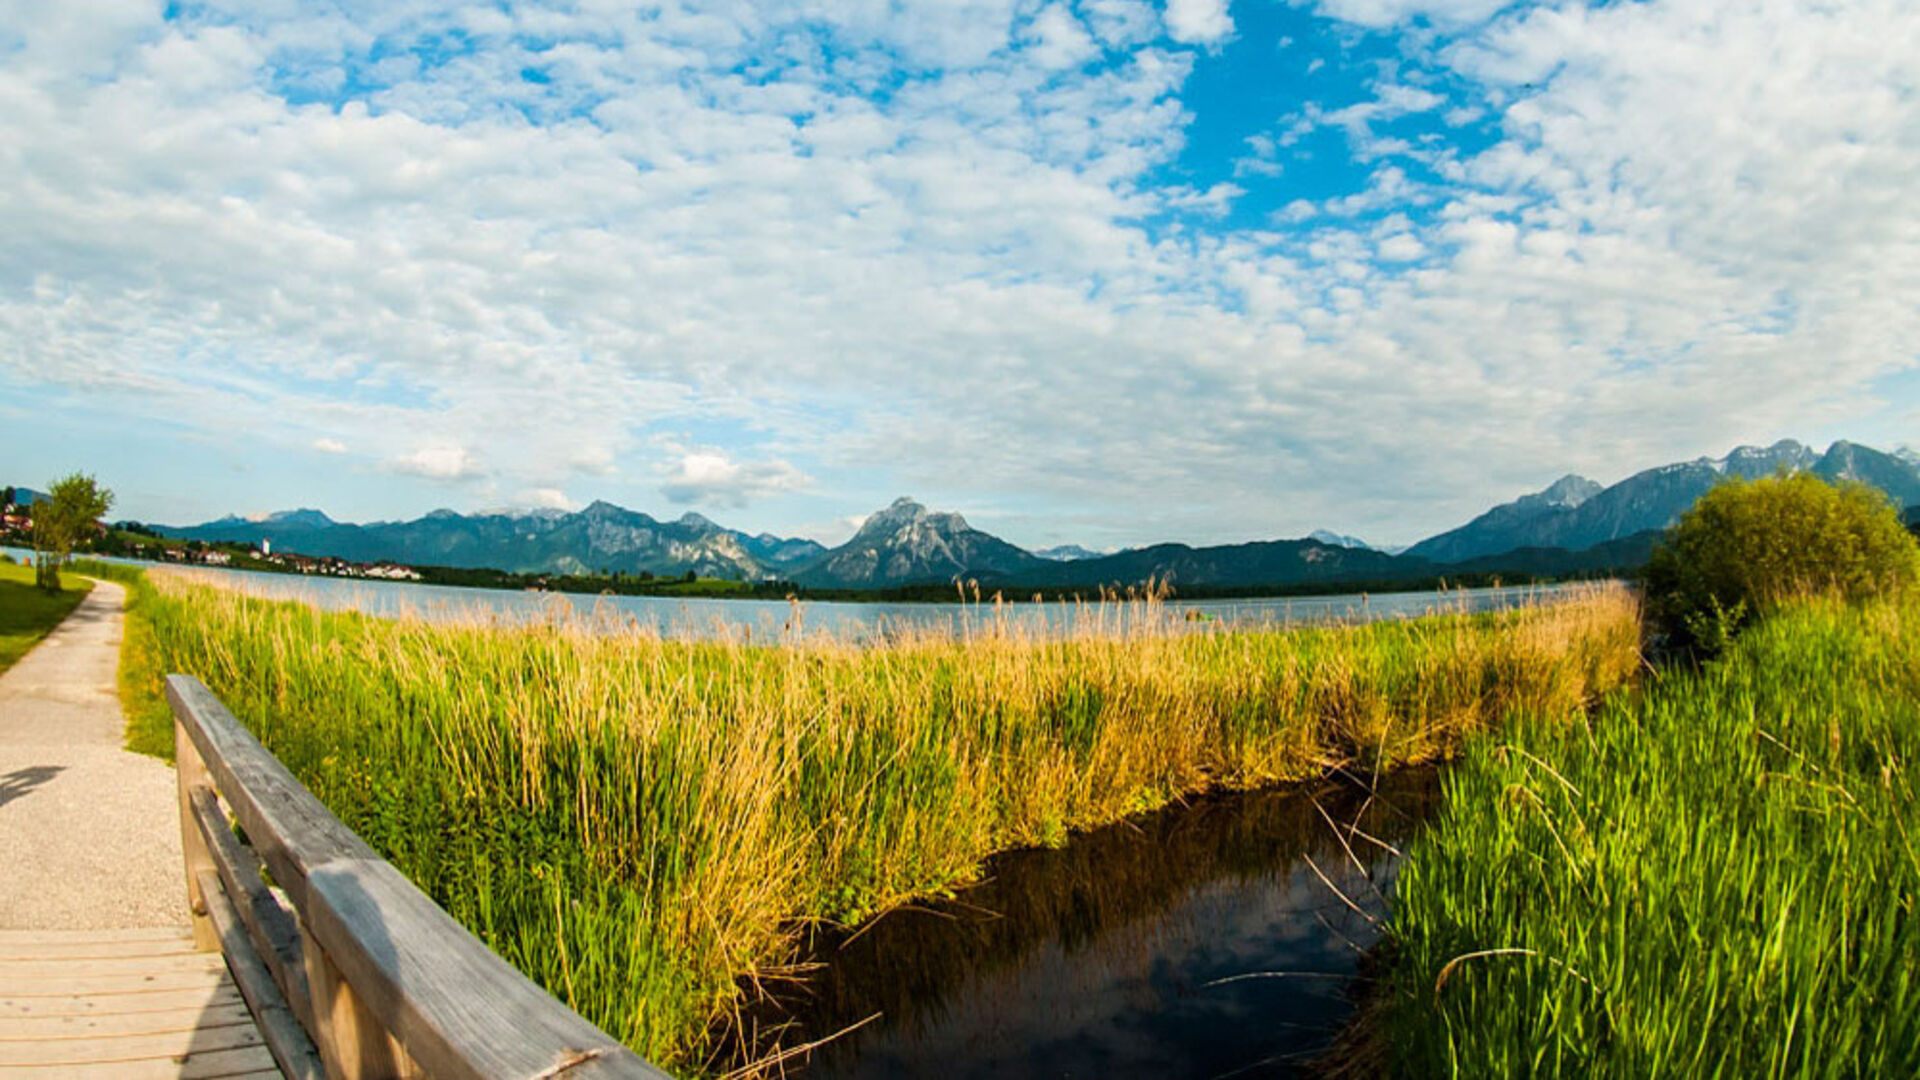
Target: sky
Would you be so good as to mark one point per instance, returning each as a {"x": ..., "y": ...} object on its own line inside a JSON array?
[{"x": 1103, "y": 272}]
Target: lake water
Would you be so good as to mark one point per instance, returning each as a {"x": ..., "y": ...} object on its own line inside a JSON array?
[
  {"x": 1200, "y": 941},
  {"x": 771, "y": 620}
]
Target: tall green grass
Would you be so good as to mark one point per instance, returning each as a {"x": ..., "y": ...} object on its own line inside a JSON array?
[
  {"x": 1715, "y": 877},
  {"x": 639, "y": 823}
]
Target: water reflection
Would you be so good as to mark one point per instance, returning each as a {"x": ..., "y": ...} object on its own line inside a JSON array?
[{"x": 1150, "y": 948}]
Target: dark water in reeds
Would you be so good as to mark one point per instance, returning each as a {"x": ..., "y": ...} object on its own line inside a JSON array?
[{"x": 1198, "y": 941}]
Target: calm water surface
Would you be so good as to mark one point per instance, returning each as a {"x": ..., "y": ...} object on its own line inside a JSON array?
[
  {"x": 1195, "y": 942},
  {"x": 773, "y": 620}
]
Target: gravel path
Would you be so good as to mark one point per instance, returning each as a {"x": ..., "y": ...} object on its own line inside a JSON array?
[{"x": 89, "y": 833}]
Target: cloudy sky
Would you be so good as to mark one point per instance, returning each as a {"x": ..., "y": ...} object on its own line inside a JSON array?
[{"x": 1101, "y": 271}]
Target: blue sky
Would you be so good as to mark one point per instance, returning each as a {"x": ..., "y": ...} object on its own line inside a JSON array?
[{"x": 1106, "y": 272}]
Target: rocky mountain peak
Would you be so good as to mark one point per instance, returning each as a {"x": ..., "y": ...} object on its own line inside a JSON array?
[
  {"x": 1569, "y": 491},
  {"x": 1334, "y": 539},
  {"x": 1763, "y": 460},
  {"x": 305, "y": 517},
  {"x": 906, "y": 515}
]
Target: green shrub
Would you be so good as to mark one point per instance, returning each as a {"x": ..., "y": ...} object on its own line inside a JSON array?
[{"x": 1748, "y": 545}]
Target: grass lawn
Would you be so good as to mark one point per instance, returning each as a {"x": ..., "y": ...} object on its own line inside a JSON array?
[{"x": 27, "y": 613}]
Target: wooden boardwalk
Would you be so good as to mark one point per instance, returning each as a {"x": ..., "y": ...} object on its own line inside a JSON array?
[
  {"x": 122, "y": 1005},
  {"x": 345, "y": 970},
  {"x": 99, "y": 977}
]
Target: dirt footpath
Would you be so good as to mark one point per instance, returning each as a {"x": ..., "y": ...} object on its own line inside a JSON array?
[{"x": 89, "y": 833}]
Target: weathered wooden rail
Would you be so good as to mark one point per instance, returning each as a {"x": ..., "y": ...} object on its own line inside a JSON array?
[{"x": 349, "y": 970}]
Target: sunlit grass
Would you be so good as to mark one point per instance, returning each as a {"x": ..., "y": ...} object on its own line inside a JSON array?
[
  {"x": 636, "y": 823},
  {"x": 1715, "y": 877},
  {"x": 28, "y": 612}
]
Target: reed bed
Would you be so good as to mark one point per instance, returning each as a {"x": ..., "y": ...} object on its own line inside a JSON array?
[
  {"x": 1714, "y": 877},
  {"x": 641, "y": 824}
]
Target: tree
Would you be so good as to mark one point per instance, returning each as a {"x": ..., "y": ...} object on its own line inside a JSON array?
[
  {"x": 73, "y": 505},
  {"x": 1748, "y": 545}
]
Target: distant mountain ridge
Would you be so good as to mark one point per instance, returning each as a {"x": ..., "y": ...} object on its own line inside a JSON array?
[
  {"x": 1574, "y": 525},
  {"x": 602, "y": 536},
  {"x": 1576, "y": 514},
  {"x": 1328, "y": 536},
  {"x": 1066, "y": 553}
]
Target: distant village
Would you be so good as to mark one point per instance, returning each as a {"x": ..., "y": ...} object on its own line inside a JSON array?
[{"x": 132, "y": 540}]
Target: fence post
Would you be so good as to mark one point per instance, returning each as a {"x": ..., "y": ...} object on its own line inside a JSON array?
[
  {"x": 192, "y": 774},
  {"x": 352, "y": 1041}
]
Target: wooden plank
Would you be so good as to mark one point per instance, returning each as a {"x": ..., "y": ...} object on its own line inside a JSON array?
[
  {"x": 89, "y": 985},
  {"x": 15, "y": 971},
  {"x": 274, "y": 934},
  {"x": 139, "y": 933},
  {"x": 88, "y": 950},
  {"x": 169, "y": 1044},
  {"x": 286, "y": 825},
  {"x": 292, "y": 1049},
  {"x": 95, "y": 1025},
  {"x": 457, "y": 1008},
  {"x": 214, "y": 1065},
  {"x": 135, "y": 1004}
]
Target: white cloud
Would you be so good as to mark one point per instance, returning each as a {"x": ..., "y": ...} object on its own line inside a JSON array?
[
  {"x": 1384, "y": 13},
  {"x": 549, "y": 499},
  {"x": 330, "y": 446},
  {"x": 1199, "y": 22},
  {"x": 1401, "y": 247},
  {"x": 1060, "y": 41},
  {"x": 948, "y": 289},
  {"x": 711, "y": 478},
  {"x": 438, "y": 462},
  {"x": 1121, "y": 24}
]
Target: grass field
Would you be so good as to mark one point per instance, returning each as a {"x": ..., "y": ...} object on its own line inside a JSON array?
[
  {"x": 28, "y": 613},
  {"x": 638, "y": 823},
  {"x": 1714, "y": 877}
]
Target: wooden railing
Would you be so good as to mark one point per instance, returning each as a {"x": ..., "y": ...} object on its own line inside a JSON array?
[{"x": 349, "y": 970}]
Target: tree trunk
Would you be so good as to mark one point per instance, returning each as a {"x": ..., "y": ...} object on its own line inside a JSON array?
[{"x": 47, "y": 571}]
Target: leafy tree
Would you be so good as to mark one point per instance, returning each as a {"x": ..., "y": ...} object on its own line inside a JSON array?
[
  {"x": 73, "y": 504},
  {"x": 1747, "y": 545},
  {"x": 6, "y": 496}
]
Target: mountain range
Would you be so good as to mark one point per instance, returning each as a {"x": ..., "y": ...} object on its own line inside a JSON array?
[
  {"x": 601, "y": 537},
  {"x": 1576, "y": 513},
  {"x": 1574, "y": 525}
]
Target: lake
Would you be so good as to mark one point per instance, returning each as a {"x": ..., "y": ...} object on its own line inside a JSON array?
[{"x": 770, "y": 620}]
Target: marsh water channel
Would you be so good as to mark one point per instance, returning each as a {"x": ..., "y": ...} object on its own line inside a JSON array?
[{"x": 1215, "y": 939}]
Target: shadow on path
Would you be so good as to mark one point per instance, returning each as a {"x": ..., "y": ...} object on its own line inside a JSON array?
[{"x": 22, "y": 781}]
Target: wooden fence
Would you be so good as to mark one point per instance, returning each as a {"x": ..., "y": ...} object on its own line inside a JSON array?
[{"x": 349, "y": 970}]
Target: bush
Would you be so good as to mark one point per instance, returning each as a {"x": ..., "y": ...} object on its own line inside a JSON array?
[{"x": 1748, "y": 545}]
